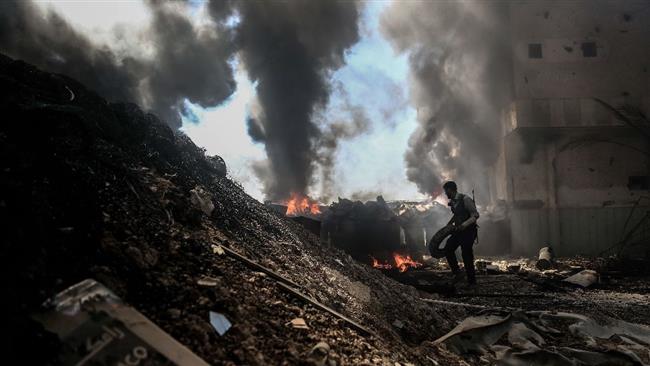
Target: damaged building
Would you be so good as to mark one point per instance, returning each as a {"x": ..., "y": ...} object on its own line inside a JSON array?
[
  {"x": 574, "y": 165},
  {"x": 126, "y": 241}
]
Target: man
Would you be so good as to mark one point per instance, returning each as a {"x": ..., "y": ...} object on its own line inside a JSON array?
[{"x": 464, "y": 232}]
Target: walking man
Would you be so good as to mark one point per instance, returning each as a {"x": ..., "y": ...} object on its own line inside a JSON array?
[{"x": 464, "y": 233}]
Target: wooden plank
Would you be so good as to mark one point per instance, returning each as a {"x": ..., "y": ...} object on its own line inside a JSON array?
[
  {"x": 326, "y": 308},
  {"x": 465, "y": 305},
  {"x": 259, "y": 267},
  {"x": 293, "y": 287},
  {"x": 530, "y": 295}
]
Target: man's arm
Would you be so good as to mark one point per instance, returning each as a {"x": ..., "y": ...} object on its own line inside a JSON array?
[{"x": 473, "y": 213}]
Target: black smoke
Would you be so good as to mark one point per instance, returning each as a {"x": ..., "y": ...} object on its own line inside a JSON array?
[
  {"x": 459, "y": 55},
  {"x": 186, "y": 63},
  {"x": 291, "y": 48},
  {"x": 353, "y": 122}
]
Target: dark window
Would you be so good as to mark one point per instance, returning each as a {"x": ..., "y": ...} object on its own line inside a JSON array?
[
  {"x": 638, "y": 182},
  {"x": 589, "y": 49},
  {"x": 534, "y": 50}
]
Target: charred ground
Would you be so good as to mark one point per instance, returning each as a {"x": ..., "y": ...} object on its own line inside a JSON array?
[{"x": 103, "y": 190}]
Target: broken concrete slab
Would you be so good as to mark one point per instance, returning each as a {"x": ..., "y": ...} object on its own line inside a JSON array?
[
  {"x": 299, "y": 323},
  {"x": 98, "y": 328},
  {"x": 584, "y": 278}
]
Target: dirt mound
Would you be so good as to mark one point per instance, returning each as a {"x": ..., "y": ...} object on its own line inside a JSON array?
[{"x": 94, "y": 189}]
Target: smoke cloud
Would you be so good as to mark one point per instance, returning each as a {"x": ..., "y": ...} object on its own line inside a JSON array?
[
  {"x": 459, "y": 54},
  {"x": 353, "y": 123},
  {"x": 186, "y": 63},
  {"x": 291, "y": 48}
]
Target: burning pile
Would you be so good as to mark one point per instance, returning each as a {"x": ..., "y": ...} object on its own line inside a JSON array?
[
  {"x": 300, "y": 205},
  {"x": 402, "y": 263}
]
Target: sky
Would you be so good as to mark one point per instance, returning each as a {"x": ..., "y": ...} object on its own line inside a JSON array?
[{"x": 374, "y": 77}]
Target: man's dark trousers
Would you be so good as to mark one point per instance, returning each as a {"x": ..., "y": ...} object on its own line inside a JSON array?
[{"x": 465, "y": 240}]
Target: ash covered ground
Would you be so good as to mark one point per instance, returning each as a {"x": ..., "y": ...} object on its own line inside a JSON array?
[
  {"x": 101, "y": 190},
  {"x": 91, "y": 189}
]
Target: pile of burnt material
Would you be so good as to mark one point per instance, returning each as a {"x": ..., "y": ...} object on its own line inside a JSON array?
[{"x": 364, "y": 230}]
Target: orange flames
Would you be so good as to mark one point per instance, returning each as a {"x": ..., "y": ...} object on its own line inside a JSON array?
[
  {"x": 377, "y": 264},
  {"x": 402, "y": 263},
  {"x": 302, "y": 205}
]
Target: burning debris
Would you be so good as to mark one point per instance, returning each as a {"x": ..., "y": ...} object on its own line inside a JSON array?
[
  {"x": 362, "y": 229},
  {"x": 400, "y": 262},
  {"x": 299, "y": 205},
  {"x": 113, "y": 193}
]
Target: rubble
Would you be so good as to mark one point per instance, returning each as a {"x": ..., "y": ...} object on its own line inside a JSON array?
[
  {"x": 584, "y": 278},
  {"x": 202, "y": 200},
  {"x": 219, "y": 322},
  {"x": 542, "y": 337},
  {"x": 98, "y": 328},
  {"x": 546, "y": 259},
  {"x": 104, "y": 190},
  {"x": 299, "y": 323},
  {"x": 122, "y": 179}
]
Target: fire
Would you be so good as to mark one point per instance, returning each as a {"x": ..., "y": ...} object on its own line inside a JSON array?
[
  {"x": 402, "y": 263},
  {"x": 377, "y": 264},
  {"x": 301, "y": 205}
]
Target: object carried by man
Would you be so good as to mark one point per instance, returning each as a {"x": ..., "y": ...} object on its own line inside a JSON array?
[{"x": 437, "y": 239}]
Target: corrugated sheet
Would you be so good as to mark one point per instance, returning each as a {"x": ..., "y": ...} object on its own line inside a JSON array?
[{"x": 584, "y": 231}]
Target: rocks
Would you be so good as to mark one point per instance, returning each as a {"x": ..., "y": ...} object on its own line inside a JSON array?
[
  {"x": 150, "y": 239},
  {"x": 202, "y": 200}
]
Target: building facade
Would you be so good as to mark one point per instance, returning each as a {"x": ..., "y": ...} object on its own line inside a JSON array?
[{"x": 572, "y": 174}]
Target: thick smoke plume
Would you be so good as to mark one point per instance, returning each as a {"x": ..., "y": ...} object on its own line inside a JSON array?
[
  {"x": 290, "y": 48},
  {"x": 354, "y": 123},
  {"x": 186, "y": 63},
  {"x": 460, "y": 81}
]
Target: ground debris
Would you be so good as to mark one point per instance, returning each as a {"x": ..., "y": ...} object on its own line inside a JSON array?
[{"x": 148, "y": 209}]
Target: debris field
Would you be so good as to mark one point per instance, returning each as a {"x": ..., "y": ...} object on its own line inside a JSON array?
[{"x": 91, "y": 189}]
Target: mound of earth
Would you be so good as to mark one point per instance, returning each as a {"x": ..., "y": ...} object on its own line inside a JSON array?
[{"x": 92, "y": 189}]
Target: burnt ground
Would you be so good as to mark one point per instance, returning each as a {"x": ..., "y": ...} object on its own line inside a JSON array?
[{"x": 91, "y": 189}]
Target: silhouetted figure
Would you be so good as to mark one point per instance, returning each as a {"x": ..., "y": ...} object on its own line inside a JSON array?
[{"x": 464, "y": 232}]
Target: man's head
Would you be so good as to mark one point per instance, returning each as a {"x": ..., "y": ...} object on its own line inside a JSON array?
[{"x": 450, "y": 189}]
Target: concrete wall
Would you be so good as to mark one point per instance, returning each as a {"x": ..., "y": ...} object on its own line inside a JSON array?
[
  {"x": 569, "y": 188},
  {"x": 619, "y": 29},
  {"x": 568, "y": 160}
]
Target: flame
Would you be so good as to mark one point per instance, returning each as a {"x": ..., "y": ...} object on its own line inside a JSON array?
[
  {"x": 377, "y": 264},
  {"x": 301, "y": 205},
  {"x": 402, "y": 263}
]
